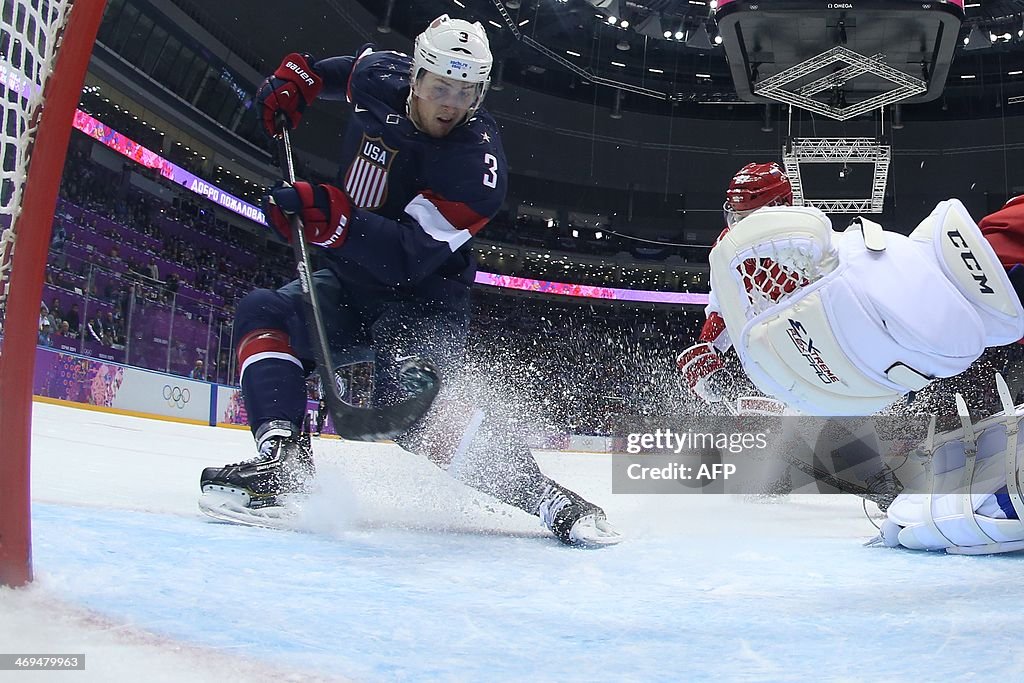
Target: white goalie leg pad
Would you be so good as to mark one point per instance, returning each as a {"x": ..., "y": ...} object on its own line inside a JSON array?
[
  {"x": 794, "y": 355},
  {"x": 966, "y": 469},
  {"x": 918, "y": 319},
  {"x": 882, "y": 324},
  {"x": 953, "y": 240}
]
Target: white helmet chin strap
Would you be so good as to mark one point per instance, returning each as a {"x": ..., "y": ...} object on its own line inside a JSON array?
[{"x": 408, "y": 110}]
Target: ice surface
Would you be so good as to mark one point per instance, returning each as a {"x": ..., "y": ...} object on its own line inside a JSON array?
[{"x": 405, "y": 575}]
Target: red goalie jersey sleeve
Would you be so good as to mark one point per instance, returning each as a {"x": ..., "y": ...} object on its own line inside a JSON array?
[{"x": 1004, "y": 230}]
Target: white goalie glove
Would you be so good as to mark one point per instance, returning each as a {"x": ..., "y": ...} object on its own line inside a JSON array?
[{"x": 846, "y": 323}]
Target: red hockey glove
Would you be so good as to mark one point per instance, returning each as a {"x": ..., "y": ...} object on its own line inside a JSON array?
[
  {"x": 324, "y": 210},
  {"x": 293, "y": 86},
  {"x": 705, "y": 374}
]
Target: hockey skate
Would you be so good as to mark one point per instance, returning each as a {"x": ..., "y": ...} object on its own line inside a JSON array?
[
  {"x": 573, "y": 520},
  {"x": 257, "y": 491}
]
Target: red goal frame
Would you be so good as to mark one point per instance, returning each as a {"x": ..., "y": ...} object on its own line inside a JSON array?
[{"x": 24, "y": 292}]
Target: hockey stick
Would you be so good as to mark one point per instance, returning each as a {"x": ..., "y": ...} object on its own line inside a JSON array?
[
  {"x": 842, "y": 485},
  {"x": 417, "y": 375},
  {"x": 773, "y": 407}
]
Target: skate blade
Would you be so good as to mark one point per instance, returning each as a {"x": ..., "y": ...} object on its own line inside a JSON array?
[
  {"x": 591, "y": 531},
  {"x": 229, "y": 506}
]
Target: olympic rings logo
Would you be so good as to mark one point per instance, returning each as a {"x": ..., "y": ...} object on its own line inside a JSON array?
[{"x": 176, "y": 397}]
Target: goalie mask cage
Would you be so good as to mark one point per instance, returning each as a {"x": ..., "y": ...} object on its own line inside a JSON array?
[{"x": 44, "y": 51}]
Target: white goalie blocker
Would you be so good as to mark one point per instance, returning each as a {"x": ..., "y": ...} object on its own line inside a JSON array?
[
  {"x": 972, "y": 479},
  {"x": 841, "y": 324}
]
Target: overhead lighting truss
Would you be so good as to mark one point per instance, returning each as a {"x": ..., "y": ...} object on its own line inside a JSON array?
[
  {"x": 803, "y": 152},
  {"x": 585, "y": 74},
  {"x": 781, "y": 87}
]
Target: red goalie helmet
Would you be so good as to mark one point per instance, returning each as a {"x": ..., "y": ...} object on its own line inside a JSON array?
[{"x": 756, "y": 186}]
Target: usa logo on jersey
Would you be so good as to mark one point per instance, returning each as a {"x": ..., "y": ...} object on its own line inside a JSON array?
[{"x": 366, "y": 181}]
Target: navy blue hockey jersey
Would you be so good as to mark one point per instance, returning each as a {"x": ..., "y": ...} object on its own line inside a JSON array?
[{"x": 421, "y": 199}]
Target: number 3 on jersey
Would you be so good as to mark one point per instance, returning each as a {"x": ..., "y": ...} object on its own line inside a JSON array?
[{"x": 491, "y": 177}]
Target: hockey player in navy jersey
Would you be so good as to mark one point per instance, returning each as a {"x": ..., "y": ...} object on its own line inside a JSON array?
[{"x": 422, "y": 171}]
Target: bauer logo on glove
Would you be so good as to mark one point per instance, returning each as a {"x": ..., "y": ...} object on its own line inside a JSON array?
[
  {"x": 288, "y": 91},
  {"x": 324, "y": 211}
]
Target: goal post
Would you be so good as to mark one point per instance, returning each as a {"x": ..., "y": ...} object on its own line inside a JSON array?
[{"x": 44, "y": 51}]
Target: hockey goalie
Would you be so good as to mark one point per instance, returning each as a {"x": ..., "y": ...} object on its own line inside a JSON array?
[{"x": 845, "y": 323}]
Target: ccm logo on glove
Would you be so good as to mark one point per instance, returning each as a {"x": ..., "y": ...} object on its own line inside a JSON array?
[{"x": 324, "y": 210}]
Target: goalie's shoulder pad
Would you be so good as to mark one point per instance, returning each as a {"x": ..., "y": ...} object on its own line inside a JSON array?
[{"x": 951, "y": 237}]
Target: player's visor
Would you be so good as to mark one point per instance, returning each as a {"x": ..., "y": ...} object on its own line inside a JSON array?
[
  {"x": 448, "y": 92},
  {"x": 732, "y": 216}
]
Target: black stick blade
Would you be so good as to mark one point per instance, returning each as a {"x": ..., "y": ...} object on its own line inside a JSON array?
[{"x": 417, "y": 375}]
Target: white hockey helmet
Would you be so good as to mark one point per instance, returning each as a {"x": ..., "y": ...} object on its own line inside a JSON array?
[{"x": 455, "y": 49}]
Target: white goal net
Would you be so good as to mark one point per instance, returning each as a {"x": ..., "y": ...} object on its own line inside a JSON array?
[{"x": 28, "y": 45}]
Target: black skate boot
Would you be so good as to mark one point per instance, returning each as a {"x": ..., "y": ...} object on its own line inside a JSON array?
[
  {"x": 283, "y": 466},
  {"x": 573, "y": 520}
]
